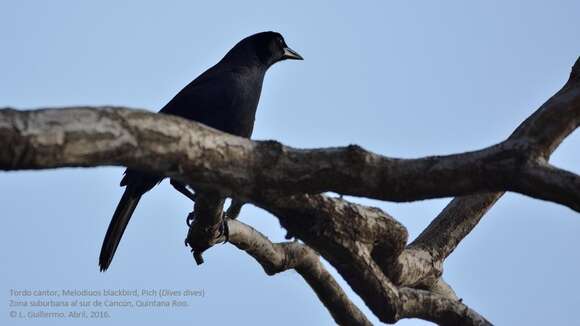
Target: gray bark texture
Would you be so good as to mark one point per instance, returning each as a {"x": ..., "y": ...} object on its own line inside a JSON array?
[{"x": 368, "y": 247}]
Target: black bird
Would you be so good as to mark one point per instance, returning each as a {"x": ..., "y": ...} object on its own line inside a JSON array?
[{"x": 224, "y": 97}]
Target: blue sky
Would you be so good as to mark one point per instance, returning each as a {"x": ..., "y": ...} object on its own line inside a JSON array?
[{"x": 402, "y": 78}]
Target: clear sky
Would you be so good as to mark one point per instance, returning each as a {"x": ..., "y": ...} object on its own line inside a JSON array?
[{"x": 402, "y": 78}]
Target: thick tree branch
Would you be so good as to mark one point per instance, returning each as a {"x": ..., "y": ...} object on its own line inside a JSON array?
[
  {"x": 206, "y": 158},
  {"x": 347, "y": 235},
  {"x": 552, "y": 182},
  {"x": 353, "y": 238},
  {"x": 279, "y": 257}
]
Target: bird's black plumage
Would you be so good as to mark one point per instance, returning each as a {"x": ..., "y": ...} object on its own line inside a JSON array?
[{"x": 224, "y": 97}]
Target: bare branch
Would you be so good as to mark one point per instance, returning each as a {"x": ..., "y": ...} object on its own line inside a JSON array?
[
  {"x": 455, "y": 222},
  {"x": 208, "y": 159},
  {"x": 353, "y": 238},
  {"x": 442, "y": 288},
  {"x": 552, "y": 182},
  {"x": 555, "y": 119},
  {"x": 438, "y": 309},
  {"x": 348, "y": 236},
  {"x": 278, "y": 257}
]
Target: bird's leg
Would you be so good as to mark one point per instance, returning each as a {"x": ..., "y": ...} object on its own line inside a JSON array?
[
  {"x": 232, "y": 212},
  {"x": 234, "y": 209},
  {"x": 188, "y": 193},
  {"x": 189, "y": 220},
  {"x": 224, "y": 228},
  {"x": 182, "y": 188}
]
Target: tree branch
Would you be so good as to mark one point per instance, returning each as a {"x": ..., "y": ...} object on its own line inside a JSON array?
[
  {"x": 279, "y": 257},
  {"x": 438, "y": 309},
  {"x": 208, "y": 159},
  {"x": 347, "y": 235},
  {"x": 552, "y": 182},
  {"x": 353, "y": 238}
]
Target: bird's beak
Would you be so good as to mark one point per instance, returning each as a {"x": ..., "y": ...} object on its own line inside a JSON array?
[{"x": 291, "y": 54}]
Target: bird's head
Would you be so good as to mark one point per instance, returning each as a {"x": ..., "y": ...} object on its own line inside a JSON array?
[{"x": 267, "y": 47}]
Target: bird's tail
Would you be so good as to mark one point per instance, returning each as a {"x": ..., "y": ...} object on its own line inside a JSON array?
[{"x": 117, "y": 226}]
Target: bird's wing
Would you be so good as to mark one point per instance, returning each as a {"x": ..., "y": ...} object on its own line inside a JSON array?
[{"x": 211, "y": 91}]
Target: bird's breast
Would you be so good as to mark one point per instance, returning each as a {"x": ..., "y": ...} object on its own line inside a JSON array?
[{"x": 243, "y": 106}]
